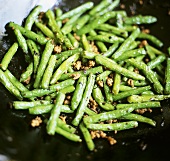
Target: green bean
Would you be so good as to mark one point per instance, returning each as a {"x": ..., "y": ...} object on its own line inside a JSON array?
[
  {"x": 67, "y": 28},
  {"x": 61, "y": 60},
  {"x": 9, "y": 86},
  {"x": 68, "y": 135},
  {"x": 107, "y": 92},
  {"x": 130, "y": 92},
  {"x": 134, "y": 45},
  {"x": 36, "y": 93},
  {"x": 68, "y": 89},
  {"x": 100, "y": 44},
  {"x": 95, "y": 23},
  {"x": 139, "y": 19},
  {"x": 29, "y": 34},
  {"x": 151, "y": 104},
  {"x": 115, "y": 126},
  {"x": 111, "y": 50},
  {"x": 58, "y": 13},
  {"x": 146, "y": 98},
  {"x": 54, "y": 27},
  {"x": 52, "y": 23},
  {"x": 131, "y": 53},
  {"x": 99, "y": 7},
  {"x": 22, "y": 105},
  {"x": 43, "y": 63},
  {"x": 69, "y": 53},
  {"x": 95, "y": 70},
  {"x": 45, "y": 30},
  {"x": 147, "y": 93},
  {"x": 61, "y": 85},
  {"x": 26, "y": 75},
  {"x": 151, "y": 38},
  {"x": 8, "y": 56},
  {"x": 88, "y": 54},
  {"x": 108, "y": 8},
  {"x": 125, "y": 88},
  {"x": 83, "y": 103},
  {"x": 156, "y": 61},
  {"x": 89, "y": 111},
  {"x": 150, "y": 75},
  {"x": 119, "y": 39},
  {"x": 48, "y": 72},
  {"x": 55, "y": 112},
  {"x": 119, "y": 20},
  {"x": 154, "y": 50},
  {"x": 43, "y": 109},
  {"x": 152, "y": 56},
  {"x": 104, "y": 116},
  {"x": 103, "y": 75},
  {"x": 169, "y": 50},
  {"x": 70, "y": 69},
  {"x": 21, "y": 40},
  {"x": 81, "y": 22},
  {"x": 112, "y": 29},
  {"x": 15, "y": 81},
  {"x": 139, "y": 118},
  {"x": 51, "y": 89},
  {"x": 73, "y": 40},
  {"x": 117, "y": 68},
  {"x": 85, "y": 43},
  {"x": 106, "y": 38},
  {"x": 87, "y": 137},
  {"x": 167, "y": 77},
  {"x": 126, "y": 43},
  {"x": 63, "y": 67},
  {"x": 129, "y": 28},
  {"x": 78, "y": 93},
  {"x": 35, "y": 53},
  {"x": 81, "y": 9},
  {"x": 65, "y": 126},
  {"x": 32, "y": 17},
  {"x": 98, "y": 97},
  {"x": 116, "y": 84}
]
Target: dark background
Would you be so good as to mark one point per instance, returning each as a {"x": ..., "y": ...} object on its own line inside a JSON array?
[{"x": 20, "y": 142}]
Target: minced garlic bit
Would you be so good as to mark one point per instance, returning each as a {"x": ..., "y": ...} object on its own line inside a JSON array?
[
  {"x": 36, "y": 122},
  {"x": 97, "y": 134},
  {"x": 93, "y": 104},
  {"x": 66, "y": 102},
  {"x": 141, "y": 2},
  {"x": 57, "y": 49},
  {"x": 109, "y": 81},
  {"x": 100, "y": 134},
  {"x": 63, "y": 118},
  {"x": 130, "y": 82},
  {"x": 76, "y": 37},
  {"x": 111, "y": 140},
  {"x": 143, "y": 110},
  {"x": 100, "y": 83},
  {"x": 91, "y": 63},
  {"x": 75, "y": 76},
  {"x": 94, "y": 47},
  {"x": 146, "y": 31},
  {"x": 143, "y": 44},
  {"x": 77, "y": 65},
  {"x": 65, "y": 20},
  {"x": 27, "y": 81},
  {"x": 122, "y": 6}
]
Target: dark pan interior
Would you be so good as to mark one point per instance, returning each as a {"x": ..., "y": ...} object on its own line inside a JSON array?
[{"x": 20, "y": 142}]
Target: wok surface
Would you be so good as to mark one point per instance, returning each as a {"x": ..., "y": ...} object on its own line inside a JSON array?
[{"x": 20, "y": 142}]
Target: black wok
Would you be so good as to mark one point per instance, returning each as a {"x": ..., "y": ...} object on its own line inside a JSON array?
[{"x": 20, "y": 142}]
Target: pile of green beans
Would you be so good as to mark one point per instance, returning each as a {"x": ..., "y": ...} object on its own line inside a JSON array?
[{"x": 111, "y": 84}]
